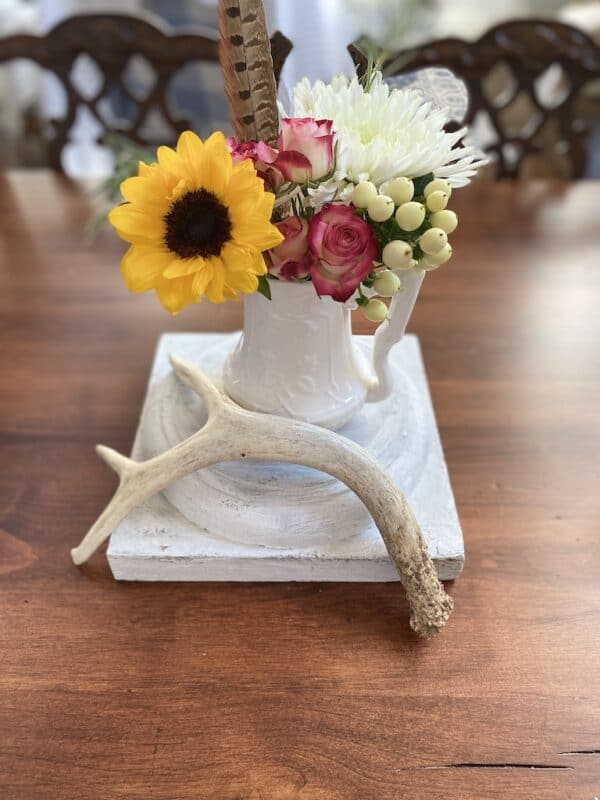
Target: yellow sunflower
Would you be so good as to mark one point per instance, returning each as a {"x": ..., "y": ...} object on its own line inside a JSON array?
[{"x": 197, "y": 224}]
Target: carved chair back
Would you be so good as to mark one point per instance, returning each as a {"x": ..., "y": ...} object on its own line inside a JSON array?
[
  {"x": 530, "y": 85},
  {"x": 113, "y": 42}
]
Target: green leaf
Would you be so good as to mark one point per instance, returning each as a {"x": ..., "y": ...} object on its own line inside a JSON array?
[
  {"x": 263, "y": 286},
  {"x": 421, "y": 183}
]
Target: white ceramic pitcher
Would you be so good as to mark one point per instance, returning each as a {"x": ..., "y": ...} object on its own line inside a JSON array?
[{"x": 296, "y": 356}]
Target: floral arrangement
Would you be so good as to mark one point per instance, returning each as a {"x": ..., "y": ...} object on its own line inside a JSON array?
[{"x": 354, "y": 192}]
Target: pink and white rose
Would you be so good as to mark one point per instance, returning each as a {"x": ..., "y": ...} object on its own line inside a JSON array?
[
  {"x": 291, "y": 260},
  {"x": 343, "y": 248},
  {"x": 305, "y": 149}
]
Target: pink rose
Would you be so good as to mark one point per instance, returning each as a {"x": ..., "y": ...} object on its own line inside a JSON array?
[
  {"x": 291, "y": 260},
  {"x": 305, "y": 149},
  {"x": 343, "y": 247},
  {"x": 262, "y": 155}
]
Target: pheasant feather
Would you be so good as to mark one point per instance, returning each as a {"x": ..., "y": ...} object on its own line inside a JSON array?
[{"x": 245, "y": 54}]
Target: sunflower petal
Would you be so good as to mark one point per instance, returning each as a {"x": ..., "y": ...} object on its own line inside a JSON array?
[
  {"x": 170, "y": 161},
  {"x": 236, "y": 258},
  {"x": 145, "y": 170},
  {"x": 180, "y": 267},
  {"x": 214, "y": 288},
  {"x": 201, "y": 279},
  {"x": 192, "y": 151},
  {"x": 266, "y": 205},
  {"x": 141, "y": 192},
  {"x": 244, "y": 191},
  {"x": 142, "y": 222},
  {"x": 261, "y": 236},
  {"x": 258, "y": 206},
  {"x": 260, "y": 265},
  {"x": 216, "y": 141},
  {"x": 135, "y": 226},
  {"x": 244, "y": 167},
  {"x": 175, "y": 294},
  {"x": 245, "y": 282},
  {"x": 142, "y": 266},
  {"x": 217, "y": 166},
  {"x": 190, "y": 146},
  {"x": 230, "y": 294}
]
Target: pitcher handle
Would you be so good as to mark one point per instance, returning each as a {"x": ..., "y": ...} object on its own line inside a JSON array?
[{"x": 389, "y": 333}]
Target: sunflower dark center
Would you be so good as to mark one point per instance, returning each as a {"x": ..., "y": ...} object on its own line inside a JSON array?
[{"x": 197, "y": 224}]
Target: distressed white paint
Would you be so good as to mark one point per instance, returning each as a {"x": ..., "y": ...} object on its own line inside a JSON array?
[{"x": 277, "y": 522}]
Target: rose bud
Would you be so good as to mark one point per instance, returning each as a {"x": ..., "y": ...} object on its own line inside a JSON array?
[
  {"x": 343, "y": 248},
  {"x": 305, "y": 149},
  {"x": 290, "y": 260},
  {"x": 262, "y": 156}
]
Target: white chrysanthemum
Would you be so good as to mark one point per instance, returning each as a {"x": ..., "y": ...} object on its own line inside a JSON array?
[{"x": 385, "y": 133}]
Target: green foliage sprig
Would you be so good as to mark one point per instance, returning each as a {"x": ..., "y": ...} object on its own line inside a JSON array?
[{"x": 127, "y": 156}]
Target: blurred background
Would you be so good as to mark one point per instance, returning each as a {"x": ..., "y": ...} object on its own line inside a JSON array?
[{"x": 78, "y": 79}]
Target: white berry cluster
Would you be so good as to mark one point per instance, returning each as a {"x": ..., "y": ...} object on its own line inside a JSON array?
[{"x": 411, "y": 223}]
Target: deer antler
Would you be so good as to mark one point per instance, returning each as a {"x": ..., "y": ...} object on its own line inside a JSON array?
[{"x": 231, "y": 433}]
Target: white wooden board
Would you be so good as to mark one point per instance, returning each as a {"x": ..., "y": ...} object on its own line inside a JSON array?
[{"x": 253, "y": 521}]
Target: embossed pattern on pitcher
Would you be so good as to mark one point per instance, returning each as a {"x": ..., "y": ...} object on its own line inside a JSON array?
[{"x": 296, "y": 358}]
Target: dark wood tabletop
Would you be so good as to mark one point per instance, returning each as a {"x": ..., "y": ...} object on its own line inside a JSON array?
[{"x": 313, "y": 691}]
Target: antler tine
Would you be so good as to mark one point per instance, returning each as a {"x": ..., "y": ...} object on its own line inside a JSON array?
[
  {"x": 232, "y": 433},
  {"x": 200, "y": 383},
  {"x": 115, "y": 460}
]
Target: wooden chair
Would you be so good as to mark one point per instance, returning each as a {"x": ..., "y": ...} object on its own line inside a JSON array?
[
  {"x": 111, "y": 41},
  {"x": 507, "y": 72}
]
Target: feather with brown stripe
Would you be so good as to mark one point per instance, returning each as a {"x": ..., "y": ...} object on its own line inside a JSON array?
[{"x": 245, "y": 54}]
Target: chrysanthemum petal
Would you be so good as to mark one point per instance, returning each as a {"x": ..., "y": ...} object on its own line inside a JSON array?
[{"x": 382, "y": 133}]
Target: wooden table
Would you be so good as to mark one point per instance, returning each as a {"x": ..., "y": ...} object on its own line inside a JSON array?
[{"x": 308, "y": 691}]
